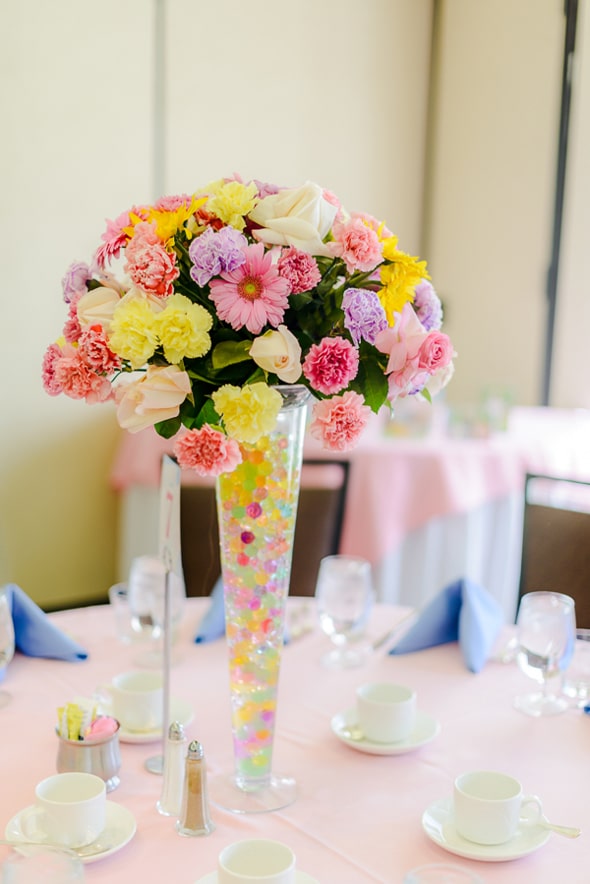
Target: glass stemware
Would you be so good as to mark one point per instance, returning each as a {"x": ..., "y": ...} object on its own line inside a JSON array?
[
  {"x": 546, "y": 629},
  {"x": 6, "y": 641},
  {"x": 344, "y": 596}
]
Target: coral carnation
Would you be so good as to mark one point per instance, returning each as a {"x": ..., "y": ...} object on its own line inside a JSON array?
[
  {"x": 207, "y": 451},
  {"x": 338, "y": 422}
]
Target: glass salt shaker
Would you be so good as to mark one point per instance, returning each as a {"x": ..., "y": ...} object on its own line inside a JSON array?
[
  {"x": 194, "y": 818},
  {"x": 171, "y": 798}
]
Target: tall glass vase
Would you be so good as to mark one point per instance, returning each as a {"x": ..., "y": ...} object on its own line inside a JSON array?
[{"x": 257, "y": 506}]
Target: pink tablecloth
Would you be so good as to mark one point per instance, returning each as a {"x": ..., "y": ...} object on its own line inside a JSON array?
[{"x": 358, "y": 817}]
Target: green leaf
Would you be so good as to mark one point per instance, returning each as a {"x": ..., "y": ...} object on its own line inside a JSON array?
[
  {"x": 371, "y": 380},
  {"x": 168, "y": 428},
  {"x": 229, "y": 353},
  {"x": 207, "y": 415}
]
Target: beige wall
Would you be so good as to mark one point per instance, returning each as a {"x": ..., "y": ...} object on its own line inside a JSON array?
[{"x": 326, "y": 91}]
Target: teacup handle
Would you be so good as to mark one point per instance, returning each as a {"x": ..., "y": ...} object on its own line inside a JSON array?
[
  {"x": 28, "y": 826},
  {"x": 533, "y": 801}
]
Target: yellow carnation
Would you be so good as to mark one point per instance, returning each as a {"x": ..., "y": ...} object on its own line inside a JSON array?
[
  {"x": 133, "y": 331},
  {"x": 231, "y": 201},
  {"x": 399, "y": 276},
  {"x": 182, "y": 329},
  {"x": 248, "y": 413}
]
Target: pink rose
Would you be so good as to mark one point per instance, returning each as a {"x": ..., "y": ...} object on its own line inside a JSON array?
[
  {"x": 435, "y": 352},
  {"x": 155, "y": 397},
  {"x": 331, "y": 365},
  {"x": 207, "y": 451}
]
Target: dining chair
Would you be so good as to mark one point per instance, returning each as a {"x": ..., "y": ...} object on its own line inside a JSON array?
[
  {"x": 318, "y": 528},
  {"x": 556, "y": 540}
]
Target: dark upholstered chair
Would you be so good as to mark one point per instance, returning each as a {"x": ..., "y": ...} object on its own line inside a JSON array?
[{"x": 556, "y": 540}]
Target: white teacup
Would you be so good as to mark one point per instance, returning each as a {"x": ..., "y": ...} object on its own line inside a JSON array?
[
  {"x": 258, "y": 859},
  {"x": 69, "y": 810},
  {"x": 487, "y": 806},
  {"x": 137, "y": 700},
  {"x": 386, "y": 712}
]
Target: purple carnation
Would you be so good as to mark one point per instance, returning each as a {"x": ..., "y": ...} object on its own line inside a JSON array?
[
  {"x": 75, "y": 279},
  {"x": 427, "y": 306},
  {"x": 212, "y": 253},
  {"x": 364, "y": 316}
]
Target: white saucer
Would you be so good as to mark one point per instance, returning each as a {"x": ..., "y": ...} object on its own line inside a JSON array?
[
  {"x": 180, "y": 711},
  {"x": 300, "y": 878},
  {"x": 425, "y": 730},
  {"x": 438, "y": 823},
  {"x": 119, "y": 830}
]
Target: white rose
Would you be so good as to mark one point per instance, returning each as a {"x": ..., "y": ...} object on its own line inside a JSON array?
[
  {"x": 299, "y": 217},
  {"x": 278, "y": 352},
  {"x": 155, "y": 397}
]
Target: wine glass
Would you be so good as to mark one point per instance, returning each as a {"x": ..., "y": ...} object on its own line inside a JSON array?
[
  {"x": 146, "y": 593},
  {"x": 6, "y": 640},
  {"x": 344, "y": 596},
  {"x": 546, "y": 629}
]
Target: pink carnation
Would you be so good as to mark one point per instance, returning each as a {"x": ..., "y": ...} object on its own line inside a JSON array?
[
  {"x": 435, "y": 352},
  {"x": 171, "y": 203},
  {"x": 338, "y": 422},
  {"x": 72, "y": 329},
  {"x": 207, "y": 451},
  {"x": 77, "y": 380},
  {"x": 95, "y": 352},
  {"x": 378, "y": 226},
  {"x": 51, "y": 357},
  {"x": 357, "y": 245},
  {"x": 299, "y": 269},
  {"x": 149, "y": 265},
  {"x": 331, "y": 365}
]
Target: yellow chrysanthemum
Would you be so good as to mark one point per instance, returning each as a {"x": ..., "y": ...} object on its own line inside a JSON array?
[
  {"x": 133, "y": 332},
  {"x": 399, "y": 277},
  {"x": 182, "y": 328},
  {"x": 231, "y": 200},
  {"x": 168, "y": 222},
  {"x": 249, "y": 412}
]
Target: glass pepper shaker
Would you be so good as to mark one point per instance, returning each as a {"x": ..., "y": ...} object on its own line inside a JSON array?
[
  {"x": 194, "y": 818},
  {"x": 174, "y": 752}
]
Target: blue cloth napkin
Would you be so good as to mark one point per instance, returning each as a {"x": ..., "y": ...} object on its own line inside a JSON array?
[
  {"x": 35, "y": 635},
  {"x": 212, "y": 624},
  {"x": 463, "y": 612}
]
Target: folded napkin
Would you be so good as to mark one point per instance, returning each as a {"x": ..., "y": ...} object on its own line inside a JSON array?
[
  {"x": 34, "y": 633},
  {"x": 212, "y": 624},
  {"x": 462, "y": 612}
]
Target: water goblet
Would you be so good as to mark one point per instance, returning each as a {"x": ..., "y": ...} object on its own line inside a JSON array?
[
  {"x": 546, "y": 629},
  {"x": 344, "y": 596},
  {"x": 6, "y": 641}
]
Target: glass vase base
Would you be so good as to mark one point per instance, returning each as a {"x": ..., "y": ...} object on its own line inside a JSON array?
[
  {"x": 539, "y": 704},
  {"x": 276, "y": 793}
]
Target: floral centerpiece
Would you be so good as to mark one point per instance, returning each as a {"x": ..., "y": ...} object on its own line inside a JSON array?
[{"x": 237, "y": 288}]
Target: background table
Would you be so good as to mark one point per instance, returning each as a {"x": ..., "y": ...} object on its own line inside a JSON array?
[
  {"x": 424, "y": 511},
  {"x": 358, "y": 817}
]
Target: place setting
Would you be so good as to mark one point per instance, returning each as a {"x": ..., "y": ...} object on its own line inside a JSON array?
[
  {"x": 71, "y": 811},
  {"x": 385, "y": 721},
  {"x": 489, "y": 818},
  {"x": 258, "y": 859}
]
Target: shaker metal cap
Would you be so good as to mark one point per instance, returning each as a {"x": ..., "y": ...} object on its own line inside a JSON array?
[
  {"x": 176, "y": 731},
  {"x": 195, "y": 750}
]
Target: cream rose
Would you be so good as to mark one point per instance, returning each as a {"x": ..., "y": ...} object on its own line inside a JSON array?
[
  {"x": 155, "y": 397},
  {"x": 298, "y": 216},
  {"x": 97, "y": 307},
  {"x": 278, "y": 352}
]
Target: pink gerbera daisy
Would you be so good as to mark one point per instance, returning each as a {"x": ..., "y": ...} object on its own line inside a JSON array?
[{"x": 253, "y": 294}]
